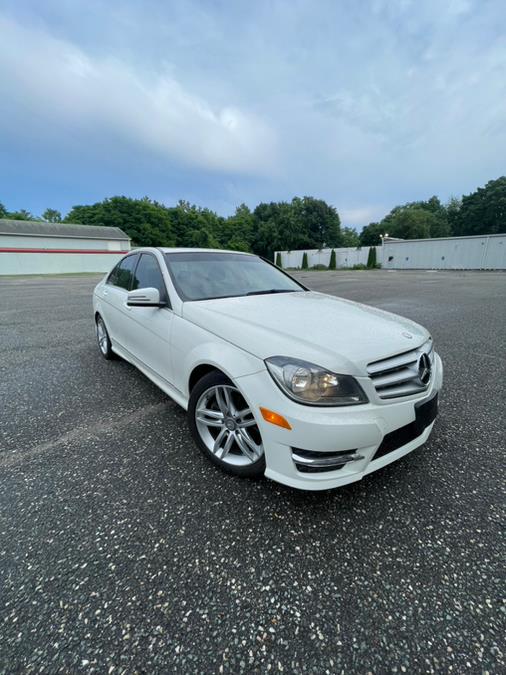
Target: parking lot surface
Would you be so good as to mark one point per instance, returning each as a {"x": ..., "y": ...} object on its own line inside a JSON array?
[{"x": 122, "y": 549}]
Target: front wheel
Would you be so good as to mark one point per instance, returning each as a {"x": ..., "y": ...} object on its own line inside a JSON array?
[{"x": 224, "y": 428}]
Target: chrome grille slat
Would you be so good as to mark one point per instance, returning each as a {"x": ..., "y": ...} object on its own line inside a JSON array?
[
  {"x": 397, "y": 375},
  {"x": 390, "y": 364},
  {"x": 401, "y": 391}
]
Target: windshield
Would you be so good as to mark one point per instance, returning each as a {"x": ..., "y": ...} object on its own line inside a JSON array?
[{"x": 205, "y": 276}]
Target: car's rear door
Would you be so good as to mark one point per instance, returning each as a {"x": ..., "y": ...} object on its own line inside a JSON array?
[
  {"x": 117, "y": 315},
  {"x": 150, "y": 327}
]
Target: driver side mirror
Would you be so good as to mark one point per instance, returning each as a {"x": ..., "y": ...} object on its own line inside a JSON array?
[{"x": 144, "y": 297}]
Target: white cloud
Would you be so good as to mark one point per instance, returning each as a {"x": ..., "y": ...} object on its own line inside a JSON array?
[
  {"x": 59, "y": 82},
  {"x": 367, "y": 105},
  {"x": 360, "y": 216}
]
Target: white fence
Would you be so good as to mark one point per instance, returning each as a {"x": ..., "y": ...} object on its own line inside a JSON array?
[
  {"x": 453, "y": 253},
  {"x": 345, "y": 257}
]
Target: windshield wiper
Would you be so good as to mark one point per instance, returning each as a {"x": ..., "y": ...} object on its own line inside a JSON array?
[{"x": 272, "y": 290}]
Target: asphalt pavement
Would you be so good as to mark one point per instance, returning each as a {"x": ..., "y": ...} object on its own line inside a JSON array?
[{"x": 122, "y": 549}]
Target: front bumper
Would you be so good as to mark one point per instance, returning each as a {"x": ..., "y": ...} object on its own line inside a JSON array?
[{"x": 358, "y": 430}]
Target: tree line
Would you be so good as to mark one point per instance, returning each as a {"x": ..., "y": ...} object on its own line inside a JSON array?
[
  {"x": 481, "y": 212},
  {"x": 303, "y": 223}
]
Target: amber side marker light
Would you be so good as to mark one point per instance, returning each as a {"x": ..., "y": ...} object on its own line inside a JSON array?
[{"x": 274, "y": 418}]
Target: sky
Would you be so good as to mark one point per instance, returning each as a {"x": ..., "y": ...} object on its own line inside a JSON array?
[{"x": 365, "y": 104}]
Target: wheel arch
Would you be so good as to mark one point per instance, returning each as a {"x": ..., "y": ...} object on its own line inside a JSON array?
[
  {"x": 213, "y": 355},
  {"x": 199, "y": 371}
]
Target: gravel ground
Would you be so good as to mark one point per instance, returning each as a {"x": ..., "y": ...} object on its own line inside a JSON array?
[{"x": 123, "y": 550}]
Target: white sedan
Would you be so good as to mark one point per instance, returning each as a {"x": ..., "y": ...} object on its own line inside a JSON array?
[{"x": 309, "y": 389}]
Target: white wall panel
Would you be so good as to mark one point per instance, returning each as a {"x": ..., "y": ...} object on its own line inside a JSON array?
[
  {"x": 56, "y": 263},
  {"x": 36, "y": 260},
  {"x": 453, "y": 253},
  {"x": 456, "y": 253},
  {"x": 23, "y": 241},
  {"x": 345, "y": 257}
]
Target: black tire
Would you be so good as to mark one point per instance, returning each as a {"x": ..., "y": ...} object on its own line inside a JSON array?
[
  {"x": 103, "y": 339},
  {"x": 255, "y": 469}
]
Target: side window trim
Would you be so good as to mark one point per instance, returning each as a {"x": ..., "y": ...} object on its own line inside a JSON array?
[
  {"x": 135, "y": 270},
  {"x": 112, "y": 274}
]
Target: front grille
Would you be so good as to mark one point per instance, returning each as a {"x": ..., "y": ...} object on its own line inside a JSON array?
[
  {"x": 399, "y": 375},
  {"x": 312, "y": 461}
]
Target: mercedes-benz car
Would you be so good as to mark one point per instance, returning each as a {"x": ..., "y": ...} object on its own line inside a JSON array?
[{"x": 312, "y": 390}]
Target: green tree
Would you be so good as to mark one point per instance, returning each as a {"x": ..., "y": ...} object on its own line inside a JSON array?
[
  {"x": 203, "y": 239},
  {"x": 3, "y": 211},
  {"x": 303, "y": 223},
  {"x": 317, "y": 223},
  {"x": 414, "y": 220},
  {"x": 266, "y": 240},
  {"x": 484, "y": 210},
  {"x": 21, "y": 215},
  {"x": 332, "y": 263},
  {"x": 146, "y": 222},
  {"x": 275, "y": 229},
  {"x": 279, "y": 262},
  {"x": 304, "y": 261},
  {"x": 370, "y": 235},
  {"x": 188, "y": 222},
  {"x": 236, "y": 232},
  {"x": 52, "y": 216},
  {"x": 349, "y": 237},
  {"x": 409, "y": 223},
  {"x": 452, "y": 213},
  {"x": 371, "y": 258}
]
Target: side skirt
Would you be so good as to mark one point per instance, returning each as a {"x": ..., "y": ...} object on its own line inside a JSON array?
[{"x": 160, "y": 382}]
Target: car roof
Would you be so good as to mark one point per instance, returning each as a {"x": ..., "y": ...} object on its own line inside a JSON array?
[{"x": 165, "y": 249}]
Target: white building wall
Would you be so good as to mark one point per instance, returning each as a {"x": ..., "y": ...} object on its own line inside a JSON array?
[
  {"x": 455, "y": 253},
  {"x": 37, "y": 257},
  {"x": 29, "y": 241}
]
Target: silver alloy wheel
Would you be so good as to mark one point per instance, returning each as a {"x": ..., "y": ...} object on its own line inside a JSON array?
[
  {"x": 227, "y": 427},
  {"x": 102, "y": 336}
]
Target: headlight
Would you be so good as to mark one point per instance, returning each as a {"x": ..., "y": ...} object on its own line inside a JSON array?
[{"x": 312, "y": 385}]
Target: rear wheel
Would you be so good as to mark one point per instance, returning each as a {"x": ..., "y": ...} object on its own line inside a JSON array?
[
  {"x": 104, "y": 342},
  {"x": 224, "y": 428}
]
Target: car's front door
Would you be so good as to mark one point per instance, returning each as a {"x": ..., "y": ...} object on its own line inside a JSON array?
[
  {"x": 114, "y": 295},
  {"x": 151, "y": 326}
]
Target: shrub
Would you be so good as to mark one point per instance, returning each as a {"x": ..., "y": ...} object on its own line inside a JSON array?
[
  {"x": 318, "y": 268},
  {"x": 304, "y": 261},
  {"x": 371, "y": 258},
  {"x": 279, "y": 262},
  {"x": 332, "y": 263}
]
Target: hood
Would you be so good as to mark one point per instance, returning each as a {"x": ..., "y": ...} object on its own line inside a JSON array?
[{"x": 338, "y": 334}]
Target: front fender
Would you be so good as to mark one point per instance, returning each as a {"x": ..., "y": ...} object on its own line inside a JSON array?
[{"x": 193, "y": 346}]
